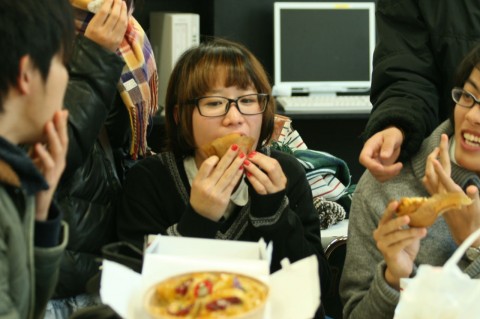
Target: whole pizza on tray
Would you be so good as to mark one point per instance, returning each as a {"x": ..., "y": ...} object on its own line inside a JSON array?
[{"x": 207, "y": 295}]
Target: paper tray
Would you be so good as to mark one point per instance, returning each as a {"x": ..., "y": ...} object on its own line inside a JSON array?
[{"x": 123, "y": 289}]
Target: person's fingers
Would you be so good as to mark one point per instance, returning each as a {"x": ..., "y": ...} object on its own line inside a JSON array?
[
  {"x": 430, "y": 179},
  {"x": 267, "y": 171},
  {"x": 398, "y": 239},
  {"x": 44, "y": 160},
  {"x": 446, "y": 183},
  {"x": 385, "y": 166},
  {"x": 224, "y": 163},
  {"x": 386, "y": 152},
  {"x": 230, "y": 175},
  {"x": 57, "y": 136},
  {"x": 431, "y": 158},
  {"x": 207, "y": 167},
  {"x": 389, "y": 152},
  {"x": 114, "y": 14},
  {"x": 428, "y": 186},
  {"x": 122, "y": 22},
  {"x": 472, "y": 192},
  {"x": 256, "y": 184},
  {"x": 103, "y": 13},
  {"x": 235, "y": 177},
  {"x": 370, "y": 163},
  {"x": 392, "y": 235},
  {"x": 444, "y": 156},
  {"x": 370, "y": 149},
  {"x": 221, "y": 173},
  {"x": 391, "y": 249},
  {"x": 55, "y": 147},
  {"x": 60, "y": 121},
  {"x": 388, "y": 171},
  {"x": 392, "y": 139},
  {"x": 107, "y": 27},
  {"x": 389, "y": 212},
  {"x": 382, "y": 172}
]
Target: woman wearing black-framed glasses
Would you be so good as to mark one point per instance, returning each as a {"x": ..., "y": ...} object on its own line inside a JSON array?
[{"x": 216, "y": 89}]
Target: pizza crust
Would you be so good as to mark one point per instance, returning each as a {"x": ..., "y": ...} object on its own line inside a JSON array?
[
  {"x": 221, "y": 145},
  {"x": 424, "y": 211}
]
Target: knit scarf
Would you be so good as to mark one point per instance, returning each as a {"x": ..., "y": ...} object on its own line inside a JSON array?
[{"x": 139, "y": 81}]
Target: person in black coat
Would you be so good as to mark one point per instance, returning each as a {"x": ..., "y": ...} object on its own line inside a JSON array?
[
  {"x": 100, "y": 133},
  {"x": 420, "y": 43}
]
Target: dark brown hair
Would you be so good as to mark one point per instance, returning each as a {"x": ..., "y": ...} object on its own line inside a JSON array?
[
  {"x": 464, "y": 69},
  {"x": 39, "y": 29},
  {"x": 196, "y": 72}
]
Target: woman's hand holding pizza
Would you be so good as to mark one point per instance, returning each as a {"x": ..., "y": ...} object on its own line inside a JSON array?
[
  {"x": 264, "y": 173},
  {"x": 215, "y": 182}
]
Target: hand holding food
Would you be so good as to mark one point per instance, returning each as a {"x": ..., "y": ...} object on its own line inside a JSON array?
[
  {"x": 218, "y": 176},
  {"x": 221, "y": 145},
  {"x": 94, "y": 5},
  {"x": 398, "y": 244},
  {"x": 108, "y": 25},
  {"x": 424, "y": 211},
  {"x": 264, "y": 173}
]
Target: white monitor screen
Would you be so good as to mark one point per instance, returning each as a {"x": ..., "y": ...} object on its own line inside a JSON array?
[{"x": 324, "y": 44}]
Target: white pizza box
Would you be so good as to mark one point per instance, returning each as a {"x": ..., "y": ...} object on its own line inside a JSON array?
[{"x": 294, "y": 290}]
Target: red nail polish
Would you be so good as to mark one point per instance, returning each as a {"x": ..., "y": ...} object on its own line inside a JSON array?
[
  {"x": 249, "y": 174},
  {"x": 252, "y": 154},
  {"x": 241, "y": 155},
  {"x": 246, "y": 162},
  {"x": 241, "y": 168},
  {"x": 234, "y": 147}
]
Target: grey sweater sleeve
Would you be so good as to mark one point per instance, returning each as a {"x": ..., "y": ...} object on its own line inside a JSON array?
[{"x": 363, "y": 288}]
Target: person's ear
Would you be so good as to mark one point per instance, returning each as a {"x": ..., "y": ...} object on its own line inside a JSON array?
[{"x": 25, "y": 75}]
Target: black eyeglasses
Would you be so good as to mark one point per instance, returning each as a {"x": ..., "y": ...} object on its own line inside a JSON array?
[
  {"x": 464, "y": 98},
  {"x": 213, "y": 106}
]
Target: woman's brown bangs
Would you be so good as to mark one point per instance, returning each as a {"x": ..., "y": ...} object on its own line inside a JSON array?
[
  {"x": 220, "y": 70},
  {"x": 237, "y": 74}
]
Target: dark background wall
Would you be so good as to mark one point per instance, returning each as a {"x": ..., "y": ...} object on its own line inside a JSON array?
[
  {"x": 251, "y": 23},
  {"x": 247, "y": 21}
]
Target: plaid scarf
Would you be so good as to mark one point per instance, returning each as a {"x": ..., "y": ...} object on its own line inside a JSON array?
[{"x": 138, "y": 82}]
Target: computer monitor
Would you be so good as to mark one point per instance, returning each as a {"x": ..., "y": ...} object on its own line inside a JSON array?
[{"x": 323, "y": 46}]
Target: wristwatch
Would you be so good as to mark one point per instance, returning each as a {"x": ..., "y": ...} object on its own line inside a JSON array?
[{"x": 472, "y": 253}]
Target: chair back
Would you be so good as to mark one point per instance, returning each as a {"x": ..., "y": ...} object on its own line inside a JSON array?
[{"x": 335, "y": 253}]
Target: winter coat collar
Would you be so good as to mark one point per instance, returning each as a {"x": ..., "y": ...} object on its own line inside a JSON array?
[{"x": 18, "y": 170}]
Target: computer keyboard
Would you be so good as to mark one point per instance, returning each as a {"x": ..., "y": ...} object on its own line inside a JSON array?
[{"x": 343, "y": 104}]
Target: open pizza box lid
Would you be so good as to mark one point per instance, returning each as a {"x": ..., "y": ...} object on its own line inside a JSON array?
[{"x": 294, "y": 290}]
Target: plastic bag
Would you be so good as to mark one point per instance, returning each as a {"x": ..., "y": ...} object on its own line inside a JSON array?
[{"x": 441, "y": 292}]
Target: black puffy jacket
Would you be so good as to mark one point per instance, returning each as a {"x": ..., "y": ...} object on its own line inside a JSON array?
[
  {"x": 90, "y": 189},
  {"x": 419, "y": 45}
]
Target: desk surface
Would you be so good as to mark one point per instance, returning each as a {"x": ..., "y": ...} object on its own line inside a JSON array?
[{"x": 338, "y": 230}]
